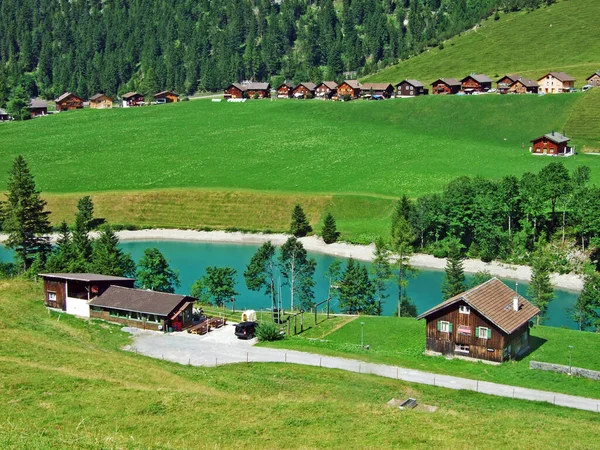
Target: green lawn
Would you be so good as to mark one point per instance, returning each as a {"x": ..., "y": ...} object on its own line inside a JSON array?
[
  {"x": 557, "y": 38},
  {"x": 65, "y": 384},
  {"x": 402, "y": 342}
]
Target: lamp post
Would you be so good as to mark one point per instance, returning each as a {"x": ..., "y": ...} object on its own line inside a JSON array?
[
  {"x": 362, "y": 335},
  {"x": 570, "y": 359}
]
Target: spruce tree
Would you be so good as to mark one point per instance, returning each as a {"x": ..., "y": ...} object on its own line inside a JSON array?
[
  {"x": 108, "y": 258},
  {"x": 82, "y": 247},
  {"x": 402, "y": 238},
  {"x": 85, "y": 209},
  {"x": 329, "y": 233},
  {"x": 381, "y": 272},
  {"x": 454, "y": 278},
  {"x": 299, "y": 226},
  {"x": 540, "y": 291},
  {"x": 154, "y": 272},
  {"x": 25, "y": 219},
  {"x": 18, "y": 105},
  {"x": 62, "y": 255}
]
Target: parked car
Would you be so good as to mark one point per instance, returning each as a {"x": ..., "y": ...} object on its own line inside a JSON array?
[
  {"x": 586, "y": 87},
  {"x": 245, "y": 330}
]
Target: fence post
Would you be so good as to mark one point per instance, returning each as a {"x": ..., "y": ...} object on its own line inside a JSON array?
[
  {"x": 320, "y": 362},
  {"x": 216, "y": 363},
  {"x": 434, "y": 381},
  {"x": 285, "y": 357},
  {"x": 397, "y": 376},
  {"x": 247, "y": 357},
  {"x": 477, "y": 389}
]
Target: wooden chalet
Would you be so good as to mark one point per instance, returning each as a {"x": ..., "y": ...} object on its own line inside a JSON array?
[
  {"x": 132, "y": 99},
  {"x": 476, "y": 82},
  {"x": 445, "y": 86},
  {"x": 556, "y": 82},
  {"x": 376, "y": 90},
  {"x": 304, "y": 90},
  {"x": 551, "y": 144},
  {"x": 145, "y": 309},
  {"x": 594, "y": 80},
  {"x": 350, "y": 88},
  {"x": 72, "y": 292},
  {"x": 285, "y": 90},
  {"x": 38, "y": 108},
  {"x": 68, "y": 102},
  {"x": 166, "y": 97},
  {"x": 524, "y": 86},
  {"x": 326, "y": 90},
  {"x": 489, "y": 322},
  {"x": 258, "y": 90},
  {"x": 410, "y": 88},
  {"x": 4, "y": 116},
  {"x": 101, "y": 101},
  {"x": 504, "y": 83},
  {"x": 235, "y": 90}
]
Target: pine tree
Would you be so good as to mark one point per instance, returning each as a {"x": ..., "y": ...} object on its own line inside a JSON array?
[
  {"x": 108, "y": 258},
  {"x": 62, "y": 255},
  {"x": 329, "y": 233},
  {"x": 381, "y": 272},
  {"x": 585, "y": 311},
  {"x": 25, "y": 219},
  {"x": 454, "y": 278},
  {"x": 85, "y": 208},
  {"x": 154, "y": 272},
  {"x": 18, "y": 105},
  {"x": 299, "y": 226},
  {"x": 260, "y": 272},
  {"x": 82, "y": 247},
  {"x": 402, "y": 238},
  {"x": 540, "y": 291}
]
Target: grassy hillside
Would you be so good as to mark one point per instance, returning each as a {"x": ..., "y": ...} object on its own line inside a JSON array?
[
  {"x": 66, "y": 384},
  {"x": 202, "y": 164},
  {"x": 561, "y": 37}
]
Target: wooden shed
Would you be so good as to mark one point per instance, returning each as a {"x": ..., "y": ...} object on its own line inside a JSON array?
[
  {"x": 476, "y": 82},
  {"x": 166, "y": 97},
  {"x": 551, "y": 144},
  {"x": 326, "y": 90},
  {"x": 410, "y": 88},
  {"x": 350, "y": 88},
  {"x": 235, "y": 90},
  {"x": 594, "y": 79},
  {"x": 258, "y": 90},
  {"x": 376, "y": 90},
  {"x": 445, "y": 86},
  {"x": 504, "y": 83},
  {"x": 68, "y": 102},
  {"x": 304, "y": 90},
  {"x": 285, "y": 90},
  {"x": 132, "y": 99},
  {"x": 145, "y": 309},
  {"x": 524, "y": 86},
  {"x": 38, "y": 108},
  {"x": 489, "y": 322},
  {"x": 72, "y": 292},
  {"x": 101, "y": 101}
]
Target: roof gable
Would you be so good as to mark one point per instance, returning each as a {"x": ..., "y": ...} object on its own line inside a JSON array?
[
  {"x": 479, "y": 77},
  {"x": 597, "y": 74},
  {"x": 67, "y": 95},
  {"x": 376, "y": 86},
  {"x": 258, "y": 87},
  {"x": 560, "y": 76},
  {"x": 139, "y": 300},
  {"x": 37, "y": 103},
  {"x": 130, "y": 95},
  {"x": 87, "y": 277},
  {"x": 415, "y": 83},
  {"x": 448, "y": 82},
  {"x": 557, "y": 138},
  {"x": 354, "y": 84},
  {"x": 287, "y": 85},
  {"x": 328, "y": 84},
  {"x": 100, "y": 96},
  {"x": 512, "y": 77}
]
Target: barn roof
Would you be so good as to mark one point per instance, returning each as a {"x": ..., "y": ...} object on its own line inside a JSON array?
[
  {"x": 593, "y": 75},
  {"x": 3, "y": 112},
  {"x": 129, "y": 95},
  {"x": 528, "y": 82},
  {"x": 557, "y": 138},
  {"x": 494, "y": 301},
  {"x": 561, "y": 76},
  {"x": 289, "y": 85},
  {"x": 354, "y": 84},
  {"x": 329, "y": 84},
  {"x": 65, "y": 96},
  {"x": 512, "y": 77},
  {"x": 448, "y": 81},
  {"x": 308, "y": 85},
  {"x": 139, "y": 300},
  {"x": 87, "y": 277},
  {"x": 163, "y": 93},
  {"x": 479, "y": 77},
  {"x": 376, "y": 86},
  {"x": 38, "y": 103},
  {"x": 415, "y": 83},
  {"x": 99, "y": 96},
  {"x": 258, "y": 86}
]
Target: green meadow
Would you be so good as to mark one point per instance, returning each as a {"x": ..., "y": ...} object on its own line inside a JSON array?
[
  {"x": 65, "y": 383},
  {"x": 561, "y": 37}
]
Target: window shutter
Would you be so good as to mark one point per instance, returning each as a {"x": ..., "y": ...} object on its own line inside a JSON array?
[
  {"x": 476, "y": 332},
  {"x": 489, "y": 333},
  {"x": 439, "y": 325},
  {"x": 450, "y": 327}
]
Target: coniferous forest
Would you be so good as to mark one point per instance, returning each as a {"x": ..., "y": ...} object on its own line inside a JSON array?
[{"x": 113, "y": 46}]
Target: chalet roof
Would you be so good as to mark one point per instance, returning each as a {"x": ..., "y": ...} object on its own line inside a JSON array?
[
  {"x": 415, "y": 83},
  {"x": 557, "y": 138},
  {"x": 65, "y": 96},
  {"x": 528, "y": 82},
  {"x": 493, "y": 300},
  {"x": 37, "y": 103},
  {"x": 257, "y": 86},
  {"x": 354, "y": 84},
  {"x": 593, "y": 75},
  {"x": 163, "y": 93},
  {"x": 375, "y": 86},
  {"x": 330, "y": 84},
  {"x": 289, "y": 85},
  {"x": 479, "y": 77},
  {"x": 87, "y": 277},
  {"x": 130, "y": 95},
  {"x": 3, "y": 112},
  {"x": 512, "y": 77},
  {"x": 448, "y": 82},
  {"x": 99, "y": 96},
  {"x": 139, "y": 300},
  {"x": 561, "y": 76},
  {"x": 308, "y": 85}
]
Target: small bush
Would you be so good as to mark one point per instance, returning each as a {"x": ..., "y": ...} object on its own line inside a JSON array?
[
  {"x": 268, "y": 331},
  {"x": 441, "y": 46},
  {"x": 347, "y": 97}
]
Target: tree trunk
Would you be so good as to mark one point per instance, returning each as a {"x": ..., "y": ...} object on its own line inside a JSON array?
[{"x": 563, "y": 226}]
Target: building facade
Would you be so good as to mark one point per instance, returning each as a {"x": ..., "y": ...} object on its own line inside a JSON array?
[
  {"x": 410, "y": 88},
  {"x": 101, "y": 101},
  {"x": 68, "y": 102},
  {"x": 445, "y": 86},
  {"x": 350, "y": 88},
  {"x": 556, "y": 82},
  {"x": 550, "y": 144}
]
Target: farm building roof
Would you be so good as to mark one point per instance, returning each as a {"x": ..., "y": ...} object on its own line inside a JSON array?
[
  {"x": 329, "y": 84},
  {"x": 593, "y": 75},
  {"x": 129, "y": 95},
  {"x": 88, "y": 277},
  {"x": 494, "y": 300},
  {"x": 415, "y": 83},
  {"x": 561, "y": 76},
  {"x": 289, "y": 85},
  {"x": 65, "y": 96},
  {"x": 528, "y": 82},
  {"x": 376, "y": 86},
  {"x": 308, "y": 85},
  {"x": 3, "y": 112},
  {"x": 99, "y": 96},
  {"x": 448, "y": 81},
  {"x": 163, "y": 93},
  {"x": 139, "y": 300},
  {"x": 479, "y": 77},
  {"x": 354, "y": 84},
  {"x": 512, "y": 77},
  {"x": 257, "y": 86},
  {"x": 37, "y": 103},
  {"x": 557, "y": 138}
]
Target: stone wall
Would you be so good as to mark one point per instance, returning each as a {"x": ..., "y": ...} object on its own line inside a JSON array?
[{"x": 577, "y": 371}]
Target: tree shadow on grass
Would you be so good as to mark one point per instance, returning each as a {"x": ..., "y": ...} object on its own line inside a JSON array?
[{"x": 535, "y": 342}]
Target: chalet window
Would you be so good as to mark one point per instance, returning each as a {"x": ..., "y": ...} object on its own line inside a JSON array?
[
  {"x": 134, "y": 316},
  {"x": 51, "y": 296},
  {"x": 483, "y": 333},
  {"x": 461, "y": 348},
  {"x": 463, "y": 309},
  {"x": 444, "y": 326}
]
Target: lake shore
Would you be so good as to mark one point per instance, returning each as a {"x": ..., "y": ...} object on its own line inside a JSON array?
[{"x": 571, "y": 282}]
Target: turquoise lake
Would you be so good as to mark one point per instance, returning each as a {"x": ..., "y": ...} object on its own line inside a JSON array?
[{"x": 190, "y": 259}]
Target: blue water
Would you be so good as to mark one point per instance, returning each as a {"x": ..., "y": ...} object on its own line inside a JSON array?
[{"x": 190, "y": 259}]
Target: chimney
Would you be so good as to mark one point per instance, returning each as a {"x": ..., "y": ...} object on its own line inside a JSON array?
[{"x": 516, "y": 298}]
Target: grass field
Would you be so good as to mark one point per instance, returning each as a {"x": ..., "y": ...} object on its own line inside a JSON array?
[
  {"x": 402, "y": 342},
  {"x": 65, "y": 384},
  {"x": 556, "y": 38}
]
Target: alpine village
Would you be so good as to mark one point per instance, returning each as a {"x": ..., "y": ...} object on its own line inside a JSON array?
[{"x": 299, "y": 224}]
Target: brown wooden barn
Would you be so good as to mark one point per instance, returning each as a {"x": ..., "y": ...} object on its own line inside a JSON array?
[
  {"x": 476, "y": 82},
  {"x": 489, "y": 322},
  {"x": 166, "y": 97},
  {"x": 326, "y": 90},
  {"x": 411, "y": 88},
  {"x": 38, "y": 108},
  {"x": 551, "y": 144},
  {"x": 68, "y": 102},
  {"x": 445, "y": 86},
  {"x": 4, "y": 116},
  {"x": 285, "y": 90},
  {"x": 101, "y": 101},
  {"x": 304, "y": 90},
  {"x": 258, "y": 90},
  {"x": 350, "y": 88},
  {"x": 524, "y": 86},
  {"x": 132, "y": 99},
  {"x": 504, "y": 83},
  {"x": 235, "y": 90},
  {"x": 71, "y": 292},
  {"x": 594, "y": 80},
  {"x": 376, "y": 90},
  {"x": 145, "y": 309}
]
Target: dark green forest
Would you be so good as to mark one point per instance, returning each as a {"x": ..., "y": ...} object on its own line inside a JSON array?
[{"x": 113, "y": 46}]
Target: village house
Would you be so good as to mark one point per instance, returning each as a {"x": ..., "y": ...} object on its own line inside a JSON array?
[
  {"x": 376, "y": 90},
  {"x": 166, "y": 97},
  {"x": 285, "y": 90},
  {"x": 410, "y": 88},
  {"x": 524, "y": 86},
  {"x": 38, "y": 108},
  {"x": 4, "y": 116},
  {"x": 488, "y": 322},
  {"x": 235, "y": 90},
  {"x": 304, "y": 90},
  {"x": 504, "y": 83},
  {"x": 132, "y": 99},
  {"x": 446, "y": 86},
  {"x": 72, "y": 292},
  {"x": 594, "y": 80},
  {"x": 258, "y": 90},
  {"x": 556, "y": 82},
  {"x": 142, "y": 308},
  {"x": 101, "y": 101},
  {"x": 68, "y": 102},
  {"x": 326, "y": 90},
  {"x": 476, "y": 83},
  {"x": 349, "y": 88},
  {"x": 551, "y": 144}
]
